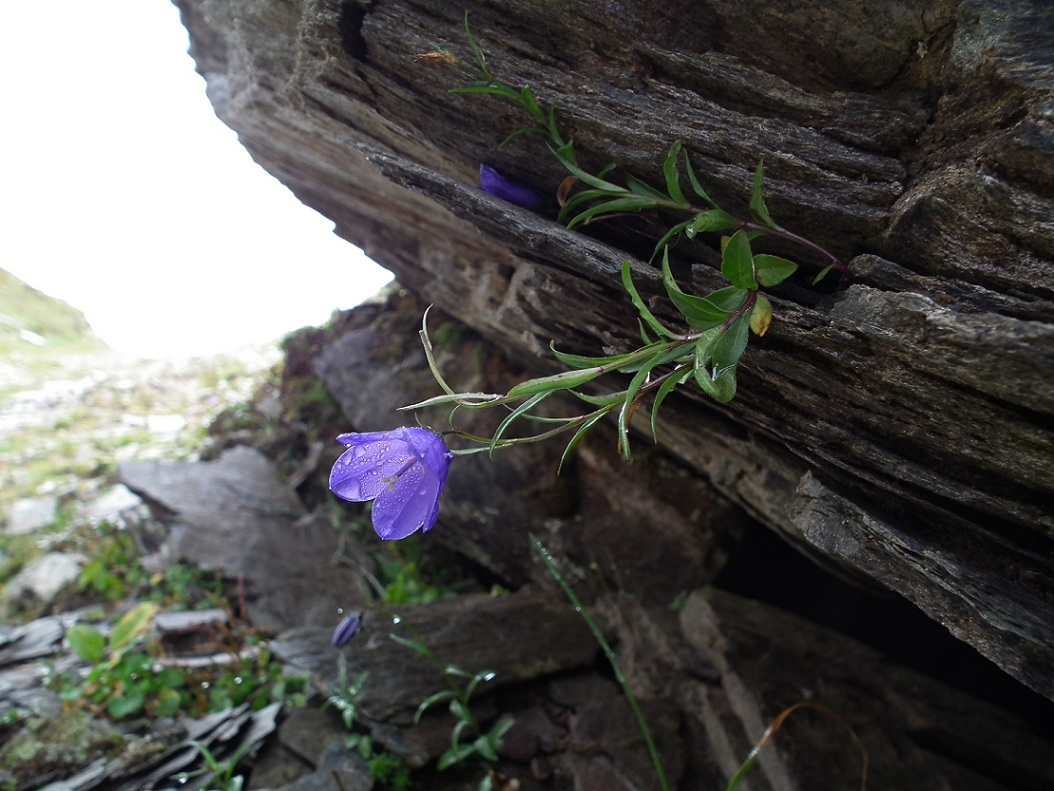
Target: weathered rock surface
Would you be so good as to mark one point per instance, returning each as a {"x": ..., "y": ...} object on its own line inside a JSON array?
[
  {"x": 902, "y": 425},
  {"x": 235, "y": 516}
]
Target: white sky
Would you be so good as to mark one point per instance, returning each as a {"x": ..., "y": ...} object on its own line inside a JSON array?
[{"x": 123, "y": 194}]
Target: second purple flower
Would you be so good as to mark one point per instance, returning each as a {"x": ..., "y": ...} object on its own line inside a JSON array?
[{"x": 403, "y": 471}]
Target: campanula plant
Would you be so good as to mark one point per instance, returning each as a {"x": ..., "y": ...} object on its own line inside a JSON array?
[{"x": 403, "y": 471}]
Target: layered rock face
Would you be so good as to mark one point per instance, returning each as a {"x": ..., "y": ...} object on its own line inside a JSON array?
[{"x": 900, "y": 427}]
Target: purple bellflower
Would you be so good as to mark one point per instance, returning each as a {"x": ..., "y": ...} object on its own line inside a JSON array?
[
  {"x": 492, "y": 182},
  {"x": 402, "y": 471},
  {"x": 347, "y": 629}
]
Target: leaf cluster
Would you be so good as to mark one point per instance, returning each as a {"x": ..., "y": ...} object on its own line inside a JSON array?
[
  {"x": 720, "y": 323},
  {"x": 384, "y": 766},
  {"x": 462, "y": 685},
  {"x": 126, "y": 679}
]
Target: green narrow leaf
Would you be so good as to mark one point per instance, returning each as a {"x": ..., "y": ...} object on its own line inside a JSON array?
[
  {"x": 607, "y": 399},
  {"x": 581, "y": 432},
  {"x": 737, "y": 262},
  {"x": 696, "y": 186},
  {"x": 556, "y": 137},
  {"x": 699, "y": 311},
  {"x": 485, "y": 748},
  {"x": 528, "y": 101},
  {"x": 561, "y": 381},
  {"x": 430, "y": 701},
  {"x": 87, "y": 642},
  {"x": 709, "y": 222},
  {"x": 131, "y": 626},
  {"x": 823, "y": 273},
  {"x": 664, "y": 390},
  {"x": 645, "y": 314},
  {"x": 414, "y": 645},
  {"x": 481, "y": 61},
  {"x": 667, "y": 237},
  {"x": 586, "y": 178},
  {"x": 519, "y": 411},
  {"x": 613, "y": 361},
  {"x": 642, "y": 188},
  {"x": 757, "y": 200},
  {"x": 613, "y": 206},
  {"x": 716, "y": 358},
  {"x": 729, "y": 347},
  {"x": 673, "y": 179},
  {"x": 772, "y": 270},
  {"x": 626, "y": 412}
]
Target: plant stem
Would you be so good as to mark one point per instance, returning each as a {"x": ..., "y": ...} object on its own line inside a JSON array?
[{"x": 645, "y": 731}]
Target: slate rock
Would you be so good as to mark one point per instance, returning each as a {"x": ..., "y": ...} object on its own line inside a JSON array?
[
  {"x": 235, "y": 516},
  {"x": 921, "y": 138},
  {"x": 43, "y": 578}
]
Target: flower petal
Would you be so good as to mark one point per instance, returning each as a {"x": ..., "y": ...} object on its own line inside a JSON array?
[
  {"x": 372, "y": 461},
  {"x": 491, "y": 181},
  {"x": 411, "y": 504}
]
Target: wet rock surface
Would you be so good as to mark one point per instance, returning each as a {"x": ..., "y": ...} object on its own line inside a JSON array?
[
  {"x": 901, "y": 426},
  {"x": 710, "y": 669}
]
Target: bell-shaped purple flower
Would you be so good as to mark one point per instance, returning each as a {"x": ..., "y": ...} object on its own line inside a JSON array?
[
  {"x": 402, "y": 471},
  {"x": 347, "y": 629},
  {"x": 491, "y": 181}
]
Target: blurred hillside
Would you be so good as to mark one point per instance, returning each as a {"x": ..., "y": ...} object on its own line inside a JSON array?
[{"x": 40, "y": 337}]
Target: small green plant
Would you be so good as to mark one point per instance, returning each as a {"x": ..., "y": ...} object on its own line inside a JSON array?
[
  {"x": 719, "y": 324},
  {"x": 123, "y": 680},
  {"x": 386, "y": 768},
  {"x": 221, "y": 774},
  {"x": 463, "y": 684}
]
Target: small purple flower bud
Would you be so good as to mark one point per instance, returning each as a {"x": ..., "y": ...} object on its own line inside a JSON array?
[
  {"x": 492, "y": 182},
  {"x": 402, "y": 471},
  {"x": 347, "y": 629}
]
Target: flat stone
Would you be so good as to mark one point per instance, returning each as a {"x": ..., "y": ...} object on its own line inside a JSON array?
[
  {"x": 41, "y": 580},
  {"x": 236, "y": 516},
  {"x": 110, "y": 506},
  {"x": 25, "y": 516}
]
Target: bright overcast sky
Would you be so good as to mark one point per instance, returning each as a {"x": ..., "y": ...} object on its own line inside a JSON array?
[{"x": 123, "y": 194}]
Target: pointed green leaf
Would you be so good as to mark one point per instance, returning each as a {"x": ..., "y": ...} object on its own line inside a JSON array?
[
  {"x": 737, "y": 262},
  {"x": 642, "y": 188},
  {"x": 669, "y": 170},
  {"x": 638, "y": 303},
  {"x": 87, "y": 642},
  {"x": 696, "y": 186},
  {"x": 519, "y": 411},
  {"x": 823, "y": 273},
  {"x": 710, "y": 221},
  {"x": 528, "y": 101},
  {"x": 561, "y": 381},
  {"x": 587, "y": 178},
  {"x": 665, "y": 389},
  {"x": 430, "y": 701},
  {"x": 470, "y": 400},
  {"x": 131, "y": 626},
  {"x": 613, "y": 206},
  {"x": 607, "y": 399},
  {"x": 771, "y": 269},
  {"x": 699, "y": 311},
  {"x": 613, "y": 361},
  {"x": 729, "y": 347},
  {"x": 757, "y": 200},
  {"x": 667, "y": 237},
  {"x": 581, "y": 432}
]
